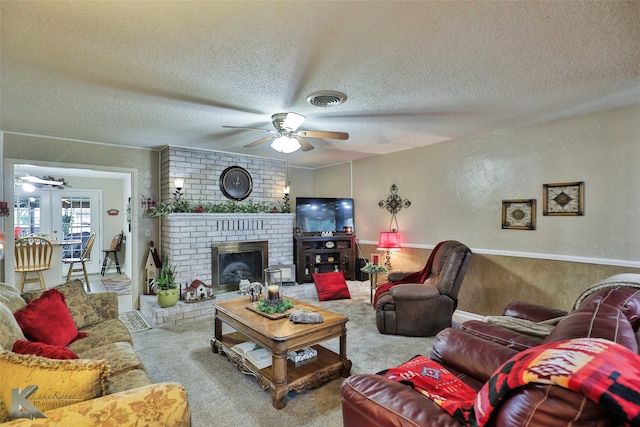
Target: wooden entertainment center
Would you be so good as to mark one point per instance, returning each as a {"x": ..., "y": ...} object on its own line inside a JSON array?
[{"x": 322, "y": 254}]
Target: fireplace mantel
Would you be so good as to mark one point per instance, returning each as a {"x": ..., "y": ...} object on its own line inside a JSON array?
[
  {"x": 187, "y": 238},
  {"x": 195, "y": 215}
]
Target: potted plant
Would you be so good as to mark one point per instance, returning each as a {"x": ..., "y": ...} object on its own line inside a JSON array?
[
  {"x": 372, "y": 268},
  {"x": 166, "y": 287}
]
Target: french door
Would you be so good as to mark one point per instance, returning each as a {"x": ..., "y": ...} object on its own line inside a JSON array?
[{"x": 67, "y": 214}]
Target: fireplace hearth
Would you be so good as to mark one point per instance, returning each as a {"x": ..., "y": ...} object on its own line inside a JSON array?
[{"x": 235, "y": 261}]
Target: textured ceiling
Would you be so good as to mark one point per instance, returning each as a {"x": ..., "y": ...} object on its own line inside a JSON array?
[{"x": 151, "y": 73}]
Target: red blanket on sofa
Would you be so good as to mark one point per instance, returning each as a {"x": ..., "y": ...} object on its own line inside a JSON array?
[
  {"x": 415, "y": 277},
  {"x": 601, "y": 370}
]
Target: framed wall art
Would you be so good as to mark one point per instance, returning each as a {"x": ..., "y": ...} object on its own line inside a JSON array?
[
  {"x": 519, "y": 214},
  {"x": 565, "y": 198}
]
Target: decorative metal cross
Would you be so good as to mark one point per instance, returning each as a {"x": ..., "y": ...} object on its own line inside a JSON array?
[{"x": 393, "y": 204}]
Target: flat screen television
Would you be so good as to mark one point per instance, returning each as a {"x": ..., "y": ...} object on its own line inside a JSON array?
[{"x": 318, "y": 214}]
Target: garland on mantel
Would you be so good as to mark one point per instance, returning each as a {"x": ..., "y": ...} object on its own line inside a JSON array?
[{"x": 185, "y": 206}]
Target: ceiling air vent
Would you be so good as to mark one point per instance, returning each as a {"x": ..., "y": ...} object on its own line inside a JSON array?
[{"x": 326, "y": 98}]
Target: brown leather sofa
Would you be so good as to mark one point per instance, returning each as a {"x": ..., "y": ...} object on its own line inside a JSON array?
[
  {"x": 422, "y": 303},
  {"x": 508, "y": 337},
  {"x": 611, "y": 313}
]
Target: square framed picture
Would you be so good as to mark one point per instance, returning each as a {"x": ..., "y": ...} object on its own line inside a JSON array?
[
  {"x": 519, "y": 214},
  {"x": 563, "y": 199}
]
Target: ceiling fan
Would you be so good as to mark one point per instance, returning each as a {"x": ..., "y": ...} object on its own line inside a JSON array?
[
  {"x": 30, "y": 183},
  {"x": 286, "y": 136}
]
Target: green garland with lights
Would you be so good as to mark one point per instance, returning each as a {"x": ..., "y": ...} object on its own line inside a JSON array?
[{"x": 185, "y": 206}]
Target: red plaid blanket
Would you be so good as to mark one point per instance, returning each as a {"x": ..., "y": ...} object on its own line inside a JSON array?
[{"x": 601, "y": 370}]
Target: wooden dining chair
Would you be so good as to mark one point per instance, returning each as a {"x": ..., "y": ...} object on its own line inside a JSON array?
[
  {"x": 85, "y": 256},
  {"x": 50, "y": 237},
  {"x": 33, "y": 255},
  {"x": 116, "y": 245}
]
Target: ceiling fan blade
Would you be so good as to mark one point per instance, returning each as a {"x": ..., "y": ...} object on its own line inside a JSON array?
[
  {"x": 258, "y": 142},
  {"x": 244, "y": 127},
  {"x": 36, "y": 180},
  {"x": 324, "y": 134},
  {"x": 306, "y": 146}
]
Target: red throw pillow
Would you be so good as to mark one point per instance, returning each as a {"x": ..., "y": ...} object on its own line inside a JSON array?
[
  {"x": 44, "y": 350},
  {"x": 47, "y": 320},
  {"x": 331, "y": 286}
]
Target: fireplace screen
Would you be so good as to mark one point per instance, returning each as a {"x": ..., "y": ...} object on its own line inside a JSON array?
[{"x": 232, "y": 262}]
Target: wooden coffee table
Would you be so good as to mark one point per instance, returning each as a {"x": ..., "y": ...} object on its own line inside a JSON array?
[{"x": 281, "y": 337}]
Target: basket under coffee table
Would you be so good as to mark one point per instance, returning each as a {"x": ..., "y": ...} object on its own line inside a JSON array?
[{"x": 281, "y": 337}]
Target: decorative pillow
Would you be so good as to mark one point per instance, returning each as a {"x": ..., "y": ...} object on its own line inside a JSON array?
[
  {"x": 83, "y": 313},
  {"x": 10, "y": 331},
  {"x": 331, "y": 286},
  {"x": 47, "y": 320},
  {"x": 60, "y": 382},
  {"x": 43, "y": 350},
  {"x": 4, "y": 413},
  {"x": 10, "y": 296}
]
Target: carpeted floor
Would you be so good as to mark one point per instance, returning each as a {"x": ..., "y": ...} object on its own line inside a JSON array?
[
  {"x": 119, "y": 285},
  {"x": 221, "y": 395}
]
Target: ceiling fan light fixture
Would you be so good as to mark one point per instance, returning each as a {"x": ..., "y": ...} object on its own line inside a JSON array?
[
  {"x": 326, "y": 98},
  {"x": 285, "y": 144},
  {"x": 293, "y": 121}
]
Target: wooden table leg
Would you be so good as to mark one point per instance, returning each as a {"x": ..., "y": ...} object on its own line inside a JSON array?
[
  {"x": 279, "y": 387},
  {"x": 346, "y": 363},
  {"x": 217, "y": 331}
]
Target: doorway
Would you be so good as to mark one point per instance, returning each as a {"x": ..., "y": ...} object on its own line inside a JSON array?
[
  {"x": 92, "y": 200},
  {"x": 66, "y": 214}
]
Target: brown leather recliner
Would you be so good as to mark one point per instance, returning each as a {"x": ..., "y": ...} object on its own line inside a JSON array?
[{"x": 422, "y": 303}]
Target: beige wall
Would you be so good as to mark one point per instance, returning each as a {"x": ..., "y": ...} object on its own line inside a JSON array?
[
  {"x": 301, "y": 184},
  {"x": 334, "y": 181},
  {"x": 456, "y": 189},
  {"x": 492, "y": 281},
  {"x": 142, "y": 165}
]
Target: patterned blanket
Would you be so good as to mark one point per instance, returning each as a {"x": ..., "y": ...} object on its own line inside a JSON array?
[{"x": 601, "y": 370}]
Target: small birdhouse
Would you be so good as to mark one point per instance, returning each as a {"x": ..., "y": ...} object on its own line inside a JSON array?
[{"x": 151, "y": 267}]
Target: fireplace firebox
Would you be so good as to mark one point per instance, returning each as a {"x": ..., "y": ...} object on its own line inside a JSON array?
[{"x": 235, "y": 261}]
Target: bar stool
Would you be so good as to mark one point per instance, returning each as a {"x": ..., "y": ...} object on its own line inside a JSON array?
[{"x": 116, "y": 244}]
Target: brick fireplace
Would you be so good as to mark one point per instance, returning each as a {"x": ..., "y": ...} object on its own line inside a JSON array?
[{"x": 188, "y": 239}]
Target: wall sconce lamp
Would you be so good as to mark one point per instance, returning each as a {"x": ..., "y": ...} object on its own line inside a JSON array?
[
  {"x": 388, "y": 242},
  {"x": 286, "y": 190},
  {"x": 179, "y": 183}
]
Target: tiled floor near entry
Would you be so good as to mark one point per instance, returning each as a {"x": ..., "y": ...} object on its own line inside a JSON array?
[{"x": 125, "y": 302}]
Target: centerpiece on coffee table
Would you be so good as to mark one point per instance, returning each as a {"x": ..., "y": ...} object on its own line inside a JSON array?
[{"x": 273, "y": 305}]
